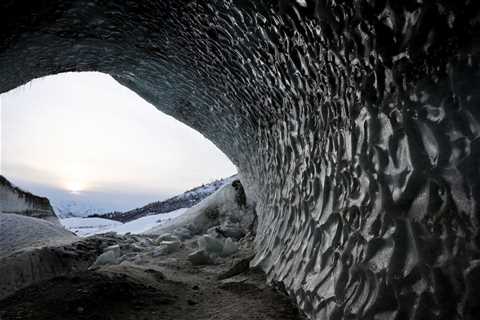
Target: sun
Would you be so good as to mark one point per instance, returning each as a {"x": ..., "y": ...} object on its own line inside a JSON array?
[{"x": 75, "y": 187}]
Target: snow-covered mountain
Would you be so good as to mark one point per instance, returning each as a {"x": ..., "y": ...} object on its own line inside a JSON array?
[
  {"x": 118, "y": 206},
  {"x": 68, "y": 208},
  {"x": 184, "y": 200}
]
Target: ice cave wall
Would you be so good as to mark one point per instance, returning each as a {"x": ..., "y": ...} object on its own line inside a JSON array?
[
  {"x": 355, "y": 126},
  {"x": 17, "y": 201}
]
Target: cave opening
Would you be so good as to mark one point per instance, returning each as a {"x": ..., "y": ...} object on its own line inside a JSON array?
[
  {"x": 67, "y": 139},
  {"x": 80, "y": 137}
]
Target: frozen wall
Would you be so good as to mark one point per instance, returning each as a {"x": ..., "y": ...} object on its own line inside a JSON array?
[{"x": 17, "y": 201}]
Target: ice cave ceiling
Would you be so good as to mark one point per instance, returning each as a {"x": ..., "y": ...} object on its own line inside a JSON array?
[{"x": 355, "y": 126}]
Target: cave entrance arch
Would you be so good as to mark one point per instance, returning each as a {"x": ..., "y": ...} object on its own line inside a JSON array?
[{"x": 84, "y": 141}]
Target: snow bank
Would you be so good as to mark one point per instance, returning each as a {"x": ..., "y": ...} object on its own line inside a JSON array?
[
  {"x": 143, "y": 224},
  {"x": 84, "y": 227},
  {"x": 18, "y": 232},
  {"x": 89, "y": 226}
]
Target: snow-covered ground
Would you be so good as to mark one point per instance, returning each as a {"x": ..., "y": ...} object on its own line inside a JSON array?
[{"x": 88, "y": 226}]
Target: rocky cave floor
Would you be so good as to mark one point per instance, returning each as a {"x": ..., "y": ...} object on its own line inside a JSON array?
[{"x": 147, "y": 285}]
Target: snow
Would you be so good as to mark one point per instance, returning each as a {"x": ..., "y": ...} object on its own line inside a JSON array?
[
  {"x": 89, "y": 226},
  {"x": 21, "y": 232},
  {"x": 65, "y": 208},
  {"x": 198, "y": 219},
  {"x": 84, "y": 227},
  {"x": 143, "y": 224}
]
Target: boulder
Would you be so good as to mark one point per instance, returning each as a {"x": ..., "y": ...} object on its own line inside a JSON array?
[
  {"x": 110, "y": 256},
  {"x": 167, "y": 237},
  {"x": 200, "y": 257},
  {"x": 115, "y": 248},
  {"x": 211, "y": 245},
  {"x": 167, "y": 247},
  {"x": 229, "y": 247},
  {"x": 106, "y": 258},
  {"x": 182, "y": 233}
]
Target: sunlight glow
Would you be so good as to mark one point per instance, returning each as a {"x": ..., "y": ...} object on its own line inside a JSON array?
[{"x": 75, "y": 187}]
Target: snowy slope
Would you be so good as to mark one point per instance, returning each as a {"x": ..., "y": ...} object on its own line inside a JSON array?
[
  {"x": 88, "y": 226},
  {"x": 184, "y": 200},
  {"x": 73, "y": 208}
]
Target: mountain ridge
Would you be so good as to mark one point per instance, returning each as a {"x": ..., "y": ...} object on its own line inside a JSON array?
[{"x": 184, "y": 200}]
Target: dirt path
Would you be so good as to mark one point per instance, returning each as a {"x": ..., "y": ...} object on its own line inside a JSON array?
[{"x": 147, "y": 287}]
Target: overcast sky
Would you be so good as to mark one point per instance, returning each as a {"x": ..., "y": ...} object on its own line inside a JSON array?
[{"x": 85, "y": 132}]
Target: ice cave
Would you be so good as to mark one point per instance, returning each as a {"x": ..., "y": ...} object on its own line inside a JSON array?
[{"x": 355, "y": 126}]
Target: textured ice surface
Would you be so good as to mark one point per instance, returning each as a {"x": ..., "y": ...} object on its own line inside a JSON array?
[{"x": 355, "y": 126}]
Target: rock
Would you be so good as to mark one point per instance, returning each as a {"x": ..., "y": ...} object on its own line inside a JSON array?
[
  {"x": 159, "y": 252},
  {"x": 171, "y": 246},
  {"x": 200, "y": 257},
  {"x": 136, "y": 247},
  {"x": 128, "y": 256},
  {"x": 157, "y": 274},
  {"x": 183, "y": 233},
  {"x": 106, "y": 258},
  {"x": 167, "y": 247},
  {"x": 210, "y": 244},
  {"x": 213, "y": 231},
  {"x": 42, "y": 261},
  {"x": 232, "y": 230},
  {"x": 146, "y": 242},
  {"x": 216, "y": 246},
  {"x": 229, "y": 247},
  {"x": 236, "y": 279},
  {"x": 240, "y": 267},
  {"x": 167, "y": 237},
  {"x": 115, "y": 248}
]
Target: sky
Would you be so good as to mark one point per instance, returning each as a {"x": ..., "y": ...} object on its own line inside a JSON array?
[{"x": 84, "y": 135}]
